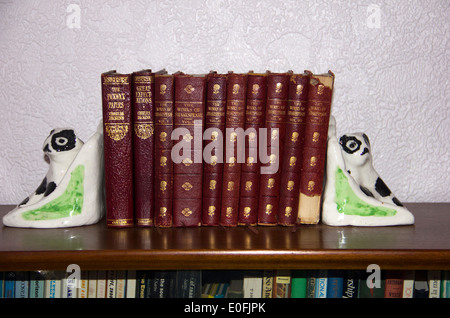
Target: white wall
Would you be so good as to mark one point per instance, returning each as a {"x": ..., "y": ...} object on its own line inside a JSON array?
[{"x": 390, "y": 58}]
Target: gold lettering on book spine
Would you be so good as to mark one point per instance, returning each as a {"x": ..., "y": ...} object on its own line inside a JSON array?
[
  {"x": 144, "y": 221},
  {"x": 120, "y": 222},
  {"x": 116, "y": 131}
]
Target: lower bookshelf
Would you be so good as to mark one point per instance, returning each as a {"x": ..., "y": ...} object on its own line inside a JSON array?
[
  {"x": 372, "y": 283},
  {"x": 422, "y": 246}
]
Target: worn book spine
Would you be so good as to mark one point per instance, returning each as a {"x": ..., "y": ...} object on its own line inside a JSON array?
[
  {"x": 254, "y": 121},
  {"x": 275, "y": 124},
  {"x": 293, "y": 148},
  {"x": 216, "y": 97},
  {"x": 164, "y": 110},
  {"x": 118, "y": 149},
  {"x": 190, "y": 96},
  {"x": 234, "y": 148},
  {"x": 393, "y": 284},
  {"x": 143, "y": 86},
  {"x": 282, "y": 284},
  {"x": 315, "y": 145}
]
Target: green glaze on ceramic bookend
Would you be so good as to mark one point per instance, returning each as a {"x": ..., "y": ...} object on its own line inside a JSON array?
[
  {"x": 354, "y": 193},
  {"x": 71, "y": 193},
  {"x": 70, "y": 203}
]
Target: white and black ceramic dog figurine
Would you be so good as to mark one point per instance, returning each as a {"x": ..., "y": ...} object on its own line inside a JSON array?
[
  {"x": 354, "y": 192},
  {"x": 61, "y": 148},
  {"x": 358, "y": 161},
  {"x": 71, "y": 193}
]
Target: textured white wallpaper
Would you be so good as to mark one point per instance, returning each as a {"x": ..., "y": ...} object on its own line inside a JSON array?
[{"x": 390, "y": 58}]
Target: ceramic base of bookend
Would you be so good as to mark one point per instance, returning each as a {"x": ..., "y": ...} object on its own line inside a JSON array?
[
  {"x": 354, "y": 193},
  {"x": 71, "y": 193}
]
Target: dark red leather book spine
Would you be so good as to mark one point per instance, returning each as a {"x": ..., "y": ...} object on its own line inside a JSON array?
[
  {"x": 143, "y": 146},
  {"x": 187, "y": 153},
  {"x": 254, "y": 120},
  {"x": 293, "y": 148},
  {"x": 275, "y": 123},
  {"x": 315, "y": 145},
  {"x": 216, "y": 97},
  {"x": 118, "y": 149},
  {"x": 164, "y": 109},
  {"x": 234, "y": 148}
]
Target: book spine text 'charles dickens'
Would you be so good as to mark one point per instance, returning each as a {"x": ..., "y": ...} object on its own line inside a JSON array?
[
  {"x": 275, "y": 123},
  {"x": 235, "y": 120},
  {"x": 254, "y": 120},
  {"x": 293, "y": 147},
  {"x": 164, "y": 108},
  {"x": 216, "y": 96},
  {"x": 187, "y": 151},
  {"x": 118, "y": 152},
  {"x": 143, "y": 86},
  {"x": 314, "y": 150}
]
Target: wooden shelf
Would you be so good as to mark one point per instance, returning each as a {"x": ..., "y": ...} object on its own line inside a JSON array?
[{"x": 424, "y": 245}]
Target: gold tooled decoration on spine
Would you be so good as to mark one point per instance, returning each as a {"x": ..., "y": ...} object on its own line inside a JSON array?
[
  {"x": 144, "y": 131},
  {"x": 116, "y": 131}
]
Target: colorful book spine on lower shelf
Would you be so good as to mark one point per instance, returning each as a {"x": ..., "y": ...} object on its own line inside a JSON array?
[{"x": 226, "y": 284}]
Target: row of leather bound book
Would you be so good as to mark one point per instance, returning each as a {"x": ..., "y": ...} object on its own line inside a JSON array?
[{"x": 185, "y": 150}]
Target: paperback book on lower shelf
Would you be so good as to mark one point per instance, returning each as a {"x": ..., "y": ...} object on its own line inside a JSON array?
[{"x": 226, "y": 284}]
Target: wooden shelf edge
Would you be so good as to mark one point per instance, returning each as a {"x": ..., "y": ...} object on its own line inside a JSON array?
[{"x": 226, "y": 259}]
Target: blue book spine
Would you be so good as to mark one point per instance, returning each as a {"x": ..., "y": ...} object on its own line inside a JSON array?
[
  {"x": 2, "y": 283},
  {"x": 36, "y": 285},
  {"x": 22, "y": 285},
  {"x": 9, "y": 284},
  {"x": 321, "y": 284},
  {"x": 335, "y": 284}
]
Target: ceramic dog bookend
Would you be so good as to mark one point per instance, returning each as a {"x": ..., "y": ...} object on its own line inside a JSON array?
[
  {"x": 354, "y": 193},
  {"x": 71, "y": 193}
]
